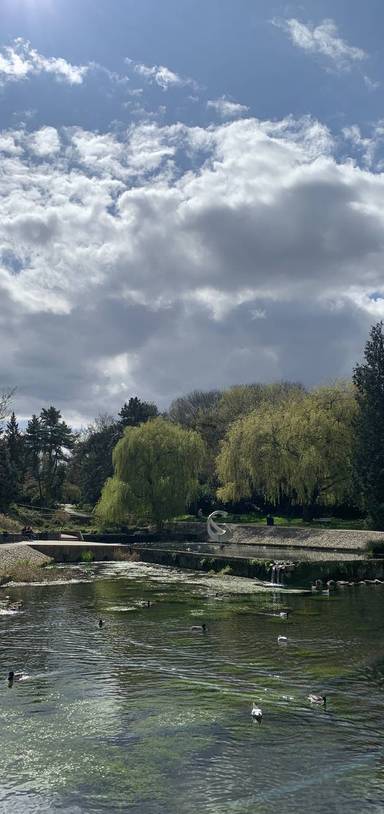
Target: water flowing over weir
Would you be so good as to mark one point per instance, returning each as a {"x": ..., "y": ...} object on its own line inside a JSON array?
[{"x": 277, "y": 574}]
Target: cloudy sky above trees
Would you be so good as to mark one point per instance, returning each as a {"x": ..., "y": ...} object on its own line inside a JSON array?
[{"x": 192, "y": 196}]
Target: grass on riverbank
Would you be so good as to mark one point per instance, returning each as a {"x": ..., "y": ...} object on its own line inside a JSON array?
[
  {"x": 60, "y": 521},
  {"x": 280, "y": 520}
]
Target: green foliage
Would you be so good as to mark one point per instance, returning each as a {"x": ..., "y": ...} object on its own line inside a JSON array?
[
  {"x": 156, "y": 469},
  {"x": 375, "y": 548},
  {"x": 8, "y": 480},
  {"x": 137, "y": 412},
  {"x": 91, "y": 463},
  {"x": 48, "y": 441},
  {"x": 300, "y": 448},
  {"x": 240, "y": 400},
  {"x": 114, "y": 506},
  {"x": 212, "y": 412},
  {"x": 188, "y": 410},
  {"x": 225, "y": 571},
  {"x": 9, "y": 524},
  {"x": 87, "y": 556},
  {"x": 368, "y": 378}
]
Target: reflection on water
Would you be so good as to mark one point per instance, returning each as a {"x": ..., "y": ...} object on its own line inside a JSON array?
[
  {"x": 145, "y": 715},
  {"x": 264, "y": 552}
]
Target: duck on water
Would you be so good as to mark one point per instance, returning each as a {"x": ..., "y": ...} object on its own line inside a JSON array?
[{"x": 12, "y": 676}]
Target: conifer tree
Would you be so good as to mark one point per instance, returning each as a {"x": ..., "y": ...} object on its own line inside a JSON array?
[
  {"x": 137, "y": 412},
  {"x": 368, "y": 378}
]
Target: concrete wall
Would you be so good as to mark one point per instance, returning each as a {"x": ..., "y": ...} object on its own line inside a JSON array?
[{"x": 299, "y": 574}]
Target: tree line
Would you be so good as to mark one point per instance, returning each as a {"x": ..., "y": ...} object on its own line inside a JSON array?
[{"x": 260, "y": 447}]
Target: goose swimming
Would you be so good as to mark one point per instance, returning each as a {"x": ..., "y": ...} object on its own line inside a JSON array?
[
  {"x": 12, "y": 676},
  {"x": 202, "y": 628}
]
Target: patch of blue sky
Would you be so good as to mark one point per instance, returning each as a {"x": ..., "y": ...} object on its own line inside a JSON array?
[
  {"x": 11, "y": 261},
  {"x": 226, "y": 47}
]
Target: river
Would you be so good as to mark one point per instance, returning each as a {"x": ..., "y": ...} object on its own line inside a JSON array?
[{"x": 147, "y": 716}]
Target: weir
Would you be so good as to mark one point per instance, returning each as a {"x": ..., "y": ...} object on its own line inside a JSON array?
[{"x": 281, "y": 557}]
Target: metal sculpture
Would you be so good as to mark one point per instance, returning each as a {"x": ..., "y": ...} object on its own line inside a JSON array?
[{"x": 216, "y": 533}]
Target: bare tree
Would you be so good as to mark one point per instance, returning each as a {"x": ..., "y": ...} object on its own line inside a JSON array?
[{"x": 6, "y": 397}]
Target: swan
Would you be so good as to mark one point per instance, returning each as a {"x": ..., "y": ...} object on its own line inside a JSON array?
[
  {"x": 317, "y": 699},
  {"x": 282, "y": 639},
  {"x": 256, "y": 713}
]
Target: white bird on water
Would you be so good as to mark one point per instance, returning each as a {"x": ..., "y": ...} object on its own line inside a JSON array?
[
  {"x": 257, "y": 713},
  {"x": 317, "y": 699},
  {"x": 282, "y": 639}
]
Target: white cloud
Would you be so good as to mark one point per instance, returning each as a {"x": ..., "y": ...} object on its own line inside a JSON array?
[
  {"x": 20, "y": 60},
  {"x": 9, "y": 143},
  {"x": 323, "y": 39},
  {"x": 159, "y": 75},
  {"x": 167, "y": 258},
  {"x": 45, "y": 142},
  {"x": 227, "y": 109}
]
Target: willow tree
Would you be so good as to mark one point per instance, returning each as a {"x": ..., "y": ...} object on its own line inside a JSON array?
[
  {"x": 300, "y": 449},
  {"x": 156, "y": 467}
]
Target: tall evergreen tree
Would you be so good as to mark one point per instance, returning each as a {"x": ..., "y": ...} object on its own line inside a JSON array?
[
  {"x": 57, "y": 439},
  {"x": 15, "y": 444},
  {"x": 8, "y": 482},
  {"x": 137, "y": 412},
  {"x": 34, "y": 446},
  {"x": 368, "y": 378}
]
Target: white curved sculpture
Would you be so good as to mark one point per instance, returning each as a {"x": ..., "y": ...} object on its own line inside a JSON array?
[{"x": 215, "y": 532}]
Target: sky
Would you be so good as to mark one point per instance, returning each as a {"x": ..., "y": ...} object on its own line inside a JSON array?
[{"x": 191, "y": 196}]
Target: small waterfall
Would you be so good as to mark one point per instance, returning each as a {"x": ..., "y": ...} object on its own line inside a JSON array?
[{"x": 277, "y": 574}]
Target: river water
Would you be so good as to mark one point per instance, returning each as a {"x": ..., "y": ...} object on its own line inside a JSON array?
[{"x": 149, "y": 717}]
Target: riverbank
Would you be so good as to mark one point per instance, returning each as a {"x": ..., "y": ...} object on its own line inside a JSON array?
[
  {"x": 22, "y": 563},
  {"x": 241, "y": 534},
  {"x": 300, "y": 537}
]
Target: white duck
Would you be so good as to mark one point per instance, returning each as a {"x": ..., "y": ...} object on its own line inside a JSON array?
[
  {"x": 282, "y": 639},
  {"x": 257, "y": 713}
]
